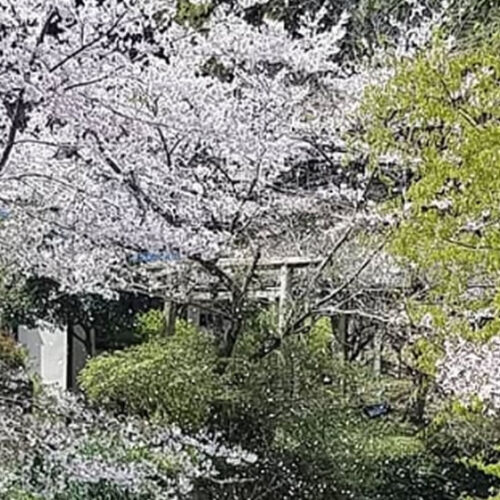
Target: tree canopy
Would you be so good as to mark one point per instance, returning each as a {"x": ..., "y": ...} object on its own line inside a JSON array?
[
  {"x": 318, "y": 180},
  {"x": 127, "y": 132},
  {"x": 440, "y": 114}
]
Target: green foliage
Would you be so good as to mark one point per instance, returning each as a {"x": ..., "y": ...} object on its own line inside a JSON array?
[
  {"x": 300, "y": 403},
  {"x": 193, "y": 14},
  {"x": 150, "y": 324},
  {"x": 171, "y": 379},
  {"x": 260, "y": 394},
  {"x": 19, "y": 494},
  {"x": 297, "y": 408},
  {"x": 11, "y": 354},
  {"x": 78, "y": 490},
  {"x": 441, "y": 114},
  {"x": 101, "y": 490},
  {"x": 471, "y": 21},
  {"x": 22, "y": 303},
  {"x": 466, "y": 435},
  {"x": 14, "y": 303}
]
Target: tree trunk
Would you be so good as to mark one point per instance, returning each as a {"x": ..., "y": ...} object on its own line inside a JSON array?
[{"x": 284, "y": 298}]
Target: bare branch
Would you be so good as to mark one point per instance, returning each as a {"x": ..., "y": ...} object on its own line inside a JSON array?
[
  {"x": 354, "y": 276},
  {"x": 215, "y": 270},
  {"x": 14, "y": 127},
  {"x": 87, "y": 45}
]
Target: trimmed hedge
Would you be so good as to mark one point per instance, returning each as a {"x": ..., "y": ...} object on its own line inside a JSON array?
[{"x": 170, "y": 379}]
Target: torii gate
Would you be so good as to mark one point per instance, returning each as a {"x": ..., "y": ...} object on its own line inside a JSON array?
[{"x": 281, "y": 293}]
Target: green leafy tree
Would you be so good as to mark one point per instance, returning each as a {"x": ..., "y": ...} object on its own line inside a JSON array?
[{"x": 440, "y": 115}]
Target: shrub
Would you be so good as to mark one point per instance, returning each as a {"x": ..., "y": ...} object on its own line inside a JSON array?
[
  {"x": 150, "y": 324},
  {"x": 11, "y": 354},
  {"x": 301, "y": 412},
  {"x": 64, "y": 450},
  {"x": 297, "y": 409},
  {"x": 171, "y": 379}
]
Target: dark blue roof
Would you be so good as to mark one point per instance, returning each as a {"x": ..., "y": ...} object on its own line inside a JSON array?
[{"x": 147, "y": 257}]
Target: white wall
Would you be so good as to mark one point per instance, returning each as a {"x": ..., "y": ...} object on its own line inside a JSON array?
[{"x": 47, "y": 350}]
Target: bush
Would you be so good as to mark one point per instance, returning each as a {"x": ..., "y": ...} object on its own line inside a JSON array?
[
  {"x": 297, "y": 409},
  {"x": 64, "y": 450},
  {"x": 171, "y": 379},
  {"x": 301, "y": 412},
  {"x": 78, "y": 491},
  {"x": 11, "y": 354},
  {"x": 150, "y": 324}
]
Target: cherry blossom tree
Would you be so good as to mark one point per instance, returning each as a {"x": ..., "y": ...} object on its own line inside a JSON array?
[
  {"x": 126, "y": 132},
  {"x": 53, "y": 445},
  {"x": 123, "y": 132},
  {"x": 470, "y": 369}
]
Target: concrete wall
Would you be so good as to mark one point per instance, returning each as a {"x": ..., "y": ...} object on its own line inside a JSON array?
[{"x": 47, "y": 350}]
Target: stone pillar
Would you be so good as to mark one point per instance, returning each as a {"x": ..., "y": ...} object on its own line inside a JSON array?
[
  {"x": 194, "y": 316},
  {"x": 170, "y": 312}
]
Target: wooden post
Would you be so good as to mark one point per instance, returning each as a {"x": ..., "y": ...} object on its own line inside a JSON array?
[
  {"x": 334, "y": 325},
  {"x": 340, "y": 330},
  {"x": 343, "y": 336},
  {"x": 170, "y": 313},
  {"x": 93, "y": 349},
  {"x": 284, "y": 297},
  {"x": 70, "y": 346}
]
